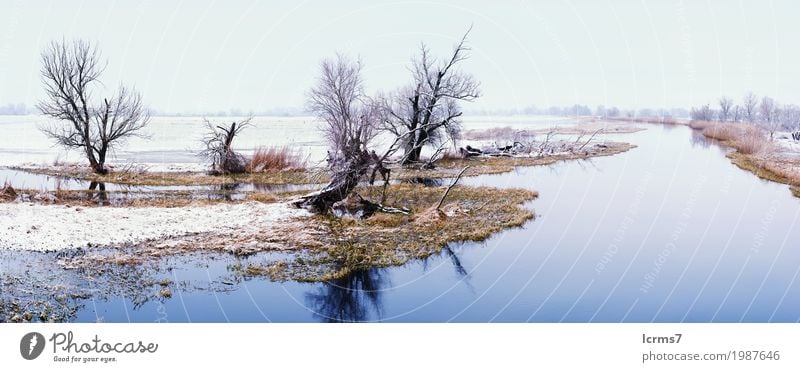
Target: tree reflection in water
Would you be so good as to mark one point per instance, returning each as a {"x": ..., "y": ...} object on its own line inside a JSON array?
[
  {"x": 97, "y": 190},
  {"x": 358, "y": 296},
  {"x": 354, "y": 298}
]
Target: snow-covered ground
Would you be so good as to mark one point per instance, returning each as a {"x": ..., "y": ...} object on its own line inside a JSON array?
[
  {"x": 38, "y": 227},
  {"x": 787, "y": 144}
]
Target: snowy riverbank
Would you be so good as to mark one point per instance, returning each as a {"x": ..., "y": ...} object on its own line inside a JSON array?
[{"x": 38, "y": 227}]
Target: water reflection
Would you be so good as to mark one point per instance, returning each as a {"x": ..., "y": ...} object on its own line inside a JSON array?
[
  {"x": 427, "y": 182},
  {"x": 354, "y": 298},
  {"x": 699, "y": 140},
  {"x": 97, "y": 191}
]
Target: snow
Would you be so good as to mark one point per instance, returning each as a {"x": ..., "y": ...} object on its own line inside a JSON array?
[
  {"x": 37, "y": 227},
  {"x": 786, "y": 143}
]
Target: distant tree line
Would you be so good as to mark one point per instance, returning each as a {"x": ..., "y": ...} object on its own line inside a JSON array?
[
  {"x": 600, "y": 111},
  {"x": 14, "y": 109},
  {"x": 762, "y": 111}
]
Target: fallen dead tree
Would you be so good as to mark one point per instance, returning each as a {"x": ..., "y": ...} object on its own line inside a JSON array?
[
  {"x": 218, "y": 142},
  {"x": 455, "y": 181},
  {"x": 535, "y": 149}
]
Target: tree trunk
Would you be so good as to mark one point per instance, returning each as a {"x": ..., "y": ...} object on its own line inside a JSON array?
[
  {"x": 97, "y": 166},
  {"x": 344, "y": 181},
  {"x": 416, "y": 151},
  {"x": 101, "y": 160}
]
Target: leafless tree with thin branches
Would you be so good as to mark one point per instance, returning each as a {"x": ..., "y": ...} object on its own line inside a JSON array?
[
  {"x": 769, "y": 112},
  {"x": 750, "y": 106},
  {"x": 725, "y": 106},
  {"x": 737, "y": 113},
  {"x": 349, "y": 121},
  {"x": 427, "y": 111},
  {"x": 70, "y": 73},
  {"x": 218, "y": 143}
]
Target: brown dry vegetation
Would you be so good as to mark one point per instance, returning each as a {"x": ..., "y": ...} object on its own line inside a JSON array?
[
  {"x": 144, "y": 178},
  {"x": 746, "y": 139},
  {"x": 754, "y": 151},
  {"x": 162, "y": 199},
  {"x": 345, "y": 245},
  {"x": 275, "y": 158}
]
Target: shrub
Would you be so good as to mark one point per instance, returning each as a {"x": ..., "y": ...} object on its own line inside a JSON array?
[
  {"x": 275, "y": 158},
  {"x": 745, "y": 138}
]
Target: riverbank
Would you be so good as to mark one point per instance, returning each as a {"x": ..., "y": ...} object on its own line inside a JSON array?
[{"x": 776, "y": 159}]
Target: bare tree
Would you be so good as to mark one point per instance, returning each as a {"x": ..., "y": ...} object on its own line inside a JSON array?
[
  {"x": 70, "y": 72},
  {"x": 769, "y": 112},
  {"x": 218, "y": 142},
  {"x": 725, "y": 104},
  {"x": 790, "y": 119},
  {"x": 427, "y": 111},
  {"x": 704, "y": 113},
  {"x": 737, "y": 113},
  {"x": 750, "y": 104},
  {"x": 350, "y": 119}
]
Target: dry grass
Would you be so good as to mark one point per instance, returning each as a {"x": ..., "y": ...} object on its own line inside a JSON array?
[
  {"x": 282, "y": 177},
  {"x": 765, "y": 169},
  {"x": 275, "y": 158},
  {"x": 746, "y": 139},
  {"x": 346, "y": 245},
  {"x": 7, "y": 193}
]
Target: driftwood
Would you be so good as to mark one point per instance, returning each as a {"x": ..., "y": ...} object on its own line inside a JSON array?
[
  {"x": 344, "y": 181},
  {"x": 590, "y": 139},
  {"x": 455, "y": 181},
  {"x": 357, "y": 207},
  {"x": 469, "y": 151}
]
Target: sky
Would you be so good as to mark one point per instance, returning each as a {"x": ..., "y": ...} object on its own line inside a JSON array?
[{"x": 208, "y": 56}]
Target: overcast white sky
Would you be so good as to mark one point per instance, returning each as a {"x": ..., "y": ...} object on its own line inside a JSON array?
[{"x": 258, "y": 55}]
